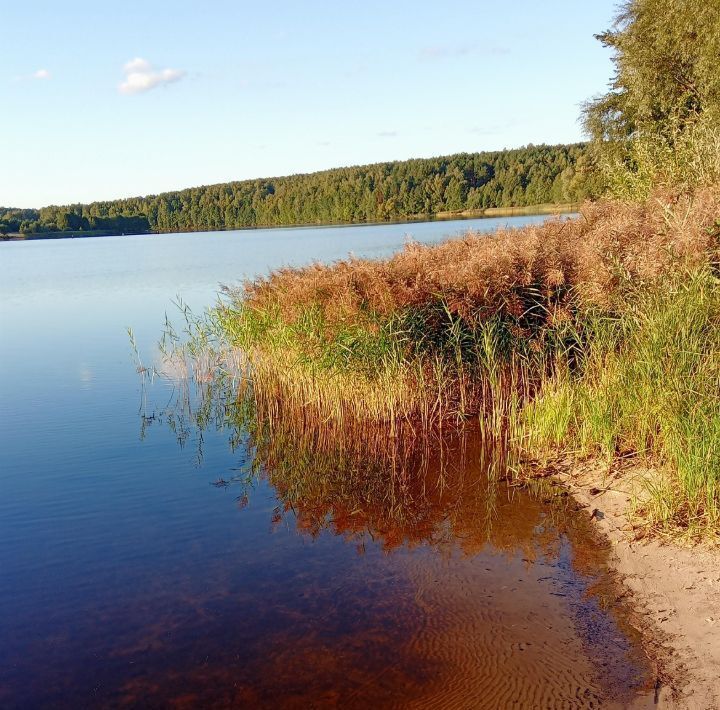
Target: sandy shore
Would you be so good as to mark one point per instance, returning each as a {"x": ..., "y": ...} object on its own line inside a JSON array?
[{"x": 675, "y": 589}]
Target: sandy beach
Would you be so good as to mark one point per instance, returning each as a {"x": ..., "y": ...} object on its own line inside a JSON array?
[{"x": 675, "y": 588}]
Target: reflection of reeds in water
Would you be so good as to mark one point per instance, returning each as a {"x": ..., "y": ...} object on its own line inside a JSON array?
[
  {"x": 418, "y": 486},
  {"x": 387, "y": 486}
]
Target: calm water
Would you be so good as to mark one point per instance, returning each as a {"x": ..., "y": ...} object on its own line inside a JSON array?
[{"x": 143, "y": 564}]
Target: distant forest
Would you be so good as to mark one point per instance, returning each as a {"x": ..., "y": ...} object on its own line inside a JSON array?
[{"x": 521, "y": 177}]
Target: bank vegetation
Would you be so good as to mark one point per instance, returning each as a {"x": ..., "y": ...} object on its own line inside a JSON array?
[{"x": 594, "y": 337}]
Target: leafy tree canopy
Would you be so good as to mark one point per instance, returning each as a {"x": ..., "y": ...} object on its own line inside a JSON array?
[{"x": 659, "y": 121}]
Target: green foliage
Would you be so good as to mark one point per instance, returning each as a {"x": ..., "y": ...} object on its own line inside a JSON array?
[
  {"x": 68, "y": 219},
  {"x": 683, "y": 158},
  {"x": 370, "y": 193},
  {"x": 660, "y": 122}
]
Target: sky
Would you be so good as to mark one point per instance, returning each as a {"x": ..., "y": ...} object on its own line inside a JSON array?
[{"x": 108, "y": 99}]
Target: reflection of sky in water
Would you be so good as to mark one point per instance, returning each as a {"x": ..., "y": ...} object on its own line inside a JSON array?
[{"x": 108, "y": 541}]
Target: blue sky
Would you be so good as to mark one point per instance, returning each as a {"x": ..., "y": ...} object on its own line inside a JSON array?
[{"x": 112, "y": 99}]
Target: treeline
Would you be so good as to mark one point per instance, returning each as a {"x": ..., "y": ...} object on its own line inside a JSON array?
[
  {"x": 379, "y": 192},
  {"x": 68, "y": 219}
]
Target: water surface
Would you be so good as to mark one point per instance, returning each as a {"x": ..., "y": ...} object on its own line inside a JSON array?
[{"x": 146, "y": 562}]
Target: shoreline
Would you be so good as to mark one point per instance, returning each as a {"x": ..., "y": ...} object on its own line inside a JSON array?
[
  {"x": 673, "y": 589},
  {"x": 487, "y": 213}
]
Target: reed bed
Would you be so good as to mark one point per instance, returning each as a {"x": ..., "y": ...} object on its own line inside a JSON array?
[
  {"x": 595, "y": 336},
  {"x": 649, "y": 388}
]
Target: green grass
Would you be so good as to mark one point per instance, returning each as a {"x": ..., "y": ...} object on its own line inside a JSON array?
[
  {"x": 374, "y": 368},
  {"x": 649, "y": 386}
]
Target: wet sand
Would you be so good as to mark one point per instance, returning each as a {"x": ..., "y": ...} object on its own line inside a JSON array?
[{"x": 675, "y": 589}]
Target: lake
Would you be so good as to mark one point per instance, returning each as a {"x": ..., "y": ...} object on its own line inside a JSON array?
[{"x": 146, "y": 561}]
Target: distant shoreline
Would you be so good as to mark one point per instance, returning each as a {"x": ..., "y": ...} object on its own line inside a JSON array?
[
  {"x": 71, "y": 234},
  {"x": 546, "y": 208}
]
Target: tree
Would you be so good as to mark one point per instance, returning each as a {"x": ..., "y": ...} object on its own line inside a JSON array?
[{"x": 659, "y": 121}]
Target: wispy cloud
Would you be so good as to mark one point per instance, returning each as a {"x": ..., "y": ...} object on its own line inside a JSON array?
[
  {"x": 37, "y": 75},
  {"x": 387, "y": 134},
  {"x": 141, "y": 76},
  {"x": 446, "y": 51}
]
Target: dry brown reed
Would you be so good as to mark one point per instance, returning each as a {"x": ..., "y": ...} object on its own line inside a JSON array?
[
  {"x": 482, "y": 275},
  {"x": 454, "y": 329}
]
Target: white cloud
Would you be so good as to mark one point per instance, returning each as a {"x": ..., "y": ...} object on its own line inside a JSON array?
[
  {"x": 39, "y": 74},
  {"x": 141, "y": 76},
  {"x": 137, "y": 65}
]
